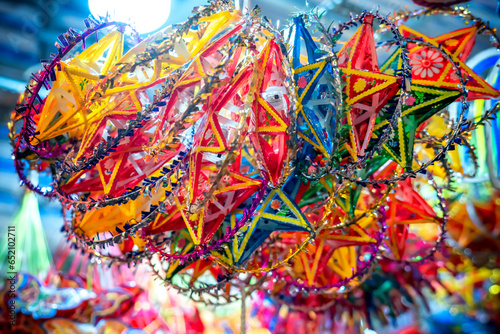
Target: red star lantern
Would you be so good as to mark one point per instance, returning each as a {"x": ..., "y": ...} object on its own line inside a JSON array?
[
  {"x": 406, "y": 207},
  {"x": 271, "y": 121},
  {"x": 314, "y": 265},
  {"x": 430, "y": 68},
  {"x": 122, "y": 169},
  {"x": 367, "y": 89}
]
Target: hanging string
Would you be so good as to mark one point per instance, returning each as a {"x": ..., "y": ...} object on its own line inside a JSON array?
[{"x": 243, "y": 311}]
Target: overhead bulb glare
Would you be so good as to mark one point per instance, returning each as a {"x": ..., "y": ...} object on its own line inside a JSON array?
[{"x": 145, "y": 15}]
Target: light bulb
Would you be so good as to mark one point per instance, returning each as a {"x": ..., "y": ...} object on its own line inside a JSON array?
[{"x": 144, "y": 15}]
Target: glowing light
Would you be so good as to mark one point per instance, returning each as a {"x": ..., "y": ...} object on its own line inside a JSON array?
[{"x": 145, "y": 15}]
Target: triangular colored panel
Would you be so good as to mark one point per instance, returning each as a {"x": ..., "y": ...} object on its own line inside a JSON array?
[
  {"x": 108, "y": 170},
  {"x": 302, "y": 35},
  {"x": 423, "y": 103},
  {"x": 367, "y": 89},
  {"x": 408, "y": 207},
  {"x": 268, "y": 119},
  {"x": 319, "y": 255},
  {"x": 278, "y": 212},
  {"x": 306, "y": 78},
  {"x": 234, "y": 189},
  {"x": 459, "y": 43},
  {"x": 271, "y": 106},
  {"x": 109, "y": 48},
  {"x": 212, "y": 139},
  {"x": 430, "y": 68}
]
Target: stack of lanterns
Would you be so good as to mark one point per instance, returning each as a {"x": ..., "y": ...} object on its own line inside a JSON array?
[{"x": 235, "y": 157}]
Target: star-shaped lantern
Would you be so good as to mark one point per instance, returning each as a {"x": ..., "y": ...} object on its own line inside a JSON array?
[
  {"x": 278, "y": 212},
  {"x": 406, "y": 206},
  {"x": 315, "y": 89},
  {"x": 330, "y": 251},
  {"x": 433, "y": 88},
  {"x": 65, "y": 109},
  {"x": 367, "y": 89},
  {"x": 430, "y": 68}
]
